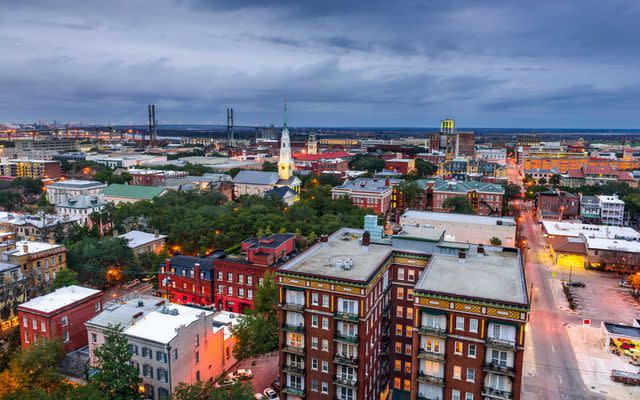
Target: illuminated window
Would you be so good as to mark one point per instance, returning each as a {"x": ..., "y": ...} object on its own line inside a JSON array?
[
  {"x": 407, "y": 367},
  {"x": 398, "y": 365},
  {"x": 409, "y": 313},
  {"x": 407, "y": 385},
  {"x": 398, "y": 329},
  {"x": 458, "y": 348},
  {"x": 409, "y": 330},
  {"x": 400, "y": 293},
  {"x": 398, "y": 347},
  {"x": 399, "y": 311},
  {"x": 397, "y": 383},
  {"x": 457, "y": 372}
]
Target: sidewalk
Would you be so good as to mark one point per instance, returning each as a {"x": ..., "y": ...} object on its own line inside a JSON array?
[{"x": 595, "y": 364}]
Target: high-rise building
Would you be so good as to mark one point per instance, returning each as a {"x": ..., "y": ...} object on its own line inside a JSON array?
[{"x": 365, "y": 315}]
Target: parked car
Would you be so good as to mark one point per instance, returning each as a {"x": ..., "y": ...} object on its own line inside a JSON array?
[
  {"x": 228, "y": 381},
  {"x": 259, "y": 396},
  {"x": 275, "y": 385},
  {"x": 271, "y": 394},
  {"x": 241, "y": 374},
  {"x": 576, "y": 284}
]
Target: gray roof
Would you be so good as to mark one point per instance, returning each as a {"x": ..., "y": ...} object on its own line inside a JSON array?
[
  {"x": 256, "y": 178},
  {"x": 495, "y": 276},
  {"x": 77, "y": 184},
  {"x": 372, "y": 185},
  {"x": 442, "y": 185}
]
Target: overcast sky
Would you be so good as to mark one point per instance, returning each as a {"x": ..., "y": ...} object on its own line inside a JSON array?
[{"x": 528, "y": 64}]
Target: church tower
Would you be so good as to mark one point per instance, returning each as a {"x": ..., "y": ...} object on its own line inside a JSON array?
[
  {"x": 285, "y": 163},
  {"x": 312, "y": 144}
]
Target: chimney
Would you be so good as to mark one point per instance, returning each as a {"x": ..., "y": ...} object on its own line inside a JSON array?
[
  {"x": 461, "y": 255},
  {"x": 366, "y": 238},
  {"x": 324, "y": 238},
  {"x": 25, "y": 248},
  {"x": 156, "y": 233},
  {"x": 480, "y": 248},
  {"x": 167, "y": 266},
  {"x": 386, "y": 182}
]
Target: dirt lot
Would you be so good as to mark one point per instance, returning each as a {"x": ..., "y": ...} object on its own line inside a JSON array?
[{"x": 265, "y": 370}]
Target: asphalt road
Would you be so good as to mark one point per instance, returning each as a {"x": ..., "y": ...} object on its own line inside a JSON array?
[{"x": 556, "y": 370}]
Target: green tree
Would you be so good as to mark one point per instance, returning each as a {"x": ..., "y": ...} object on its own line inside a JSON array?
[
  {"x": 542, "y": 181},
  {"x": 425, "y": 169},
  {"x": 531, "y": 192},
  {"x": 92, "y": 257},
  {"x": 495, "y": 241},
  {"x": 115, "y": 377},
  {"x": 459, "y": 205},
  {"x": 207, "y": 391},
  {"x": 411, "y": 192},
  {"x": 35, "y": 367},
  {"x": 555, "y": 179},
  {"x": 363, "y": 162},
  {"x": 65, "y": 277},
  {"x": 257, "y": 331},
  {"x": 511, "y": 192},
  {"x": 269, "y": 166}
]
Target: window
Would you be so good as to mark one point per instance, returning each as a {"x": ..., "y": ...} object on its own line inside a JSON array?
[
  {"x": 325, "y": 366},
  {"x": 219, "y": 275},
  {"x": 314, "y": 343},
  {"x": 163, "y": 394},
  {"x": 314, "y": 321},
  {"x": 325, "y": 387},
  {"x": 400, "y": 274},
  {"x": 314, "y": 364},
  {"x": 457, "y": 372},
  {"x": 325, "y": 345},
  {"x": 471, "y": 375},
  {"x": 400, "y": 293},
  {"x": 197, "y": 340},
  {"x": 407, "y": 349},
  {"x": 175, "y": 354},
  {"x": 34, "y": 324},
  {"x": 94, "y": 339},
  {"x": 455, "y": 394},
  {"x": 314, "y": 385},
  {"x": 432, "y": 345},
  {"x": 25, "y": 322},
  {"x": 472, "y": 351},
  {"x": 397, "y": 382},
  {"x": 468, "y": 396},
  {"x": 407, "y": 385},
  {"x": 325, "y": 300},
  {"x": 473, "y": 325},
  {"x": 398, "y": 347},
  {"x": 458, "y": 348},
  {"x": 197, "y": 357},
  {"x": 314, "y": 299},
  {"x": 162, "y": 375},
  {"x": 398, "y": 329},
  {"x": 398, "y": 365},
  {"x": 229, "y": 277},
  {"x": 230, "y": 290},
  {"x": 249, "y": 294},
  {"x": 411, "y": 275},
  {"x": 147, "y": 371},
  {"x": 26, "y": 337},
  {"x": 97, "y": 306},
  {"x": 407, "y": 367},
  {"x": 161, "y": 356},
  {"x": 409, "y": 313},
  {"x": 43, "y": 326},
  {"x": 325, "y": 323},
  {"x": 399, "y": 311},
  {"x": 240, "y": 279},
  {"x": 499, "y": 357},
  {"x": 409, "y": 294},
  {"x": 240, "y": 292},
  {"x": 460, "y": 323},
  {"x": 409, "y": 330},
  {"x": 249, "y": 280}
]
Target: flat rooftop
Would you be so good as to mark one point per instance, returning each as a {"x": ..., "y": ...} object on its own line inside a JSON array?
[
  {"x": 138, "y": 238},
  {"x": 496, "y": 276},
  {"x": 574, "y": 229},
  {"x": 160, "y": 325},
  {"x": 59, "y": 298},
  {"x": 77, "y": 184},
  {"x": 622, "y": 330},
  {"x": 31, "y": 247},
  {"x": 343, "y": 247},
  {"x": 420, "y": 232},
  {"x": 463, "y": 228}
]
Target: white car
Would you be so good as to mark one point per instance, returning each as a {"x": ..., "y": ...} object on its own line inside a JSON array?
[
  {"x": 241, "y": 374},
  {"x": 259, "y": 396},
  {"x": 271, "y": 394}
]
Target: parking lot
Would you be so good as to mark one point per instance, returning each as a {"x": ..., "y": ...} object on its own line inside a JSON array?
[
  {"x": 265, "y": 370},
  {"x": 602, "y": 298}
]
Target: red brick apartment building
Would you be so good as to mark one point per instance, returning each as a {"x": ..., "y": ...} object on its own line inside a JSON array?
[
  {"x": 59, "y": 315},
  {"x": 556, "y": 205},
  {"x": 236, "y": 280},
  {"x": 228, "y": 283},
  {"x": 405, "y": 166},
  {"x": 371, "y": 193},
  {"x": 187, "y": 280},
  {"x": 335, "y": 161},
  {"x": 362, "y": 321}
]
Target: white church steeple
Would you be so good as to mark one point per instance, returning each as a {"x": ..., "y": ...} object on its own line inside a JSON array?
[{"x": 285, "y": 163}]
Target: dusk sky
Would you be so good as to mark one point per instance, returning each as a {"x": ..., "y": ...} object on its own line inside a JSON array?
[{"x": 524, "y": 64}]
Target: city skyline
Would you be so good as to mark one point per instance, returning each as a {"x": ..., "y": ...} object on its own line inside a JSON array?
[{"x": 357, "y": 64}]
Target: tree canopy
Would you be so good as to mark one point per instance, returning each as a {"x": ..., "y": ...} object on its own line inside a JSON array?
[
  {"x": 364, "y": 162},
  {"x": 459, "y": 205},
  {"x": 207, "y": 391},
  {"x": 115, "y": 376}
]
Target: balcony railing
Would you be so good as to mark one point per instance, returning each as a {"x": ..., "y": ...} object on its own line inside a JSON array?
[
  {"x": 347, "y": 316},
  {"x": 423, "y": 396},
  {"x": 293, "y": 328},
  {"x": 430, "y": 355},
  {"x": 501, "y": 343},
  {"x": 344, "y": 337},
  {"x": 293, "y": 349},
  {"x": 438, "y": 380},
  {"x": 352, "y": 361},
  {"x": 293, "y": 307},
  {"x": 295, "y": 369},
  {"x": 496, "y": 368},
  {"x": 496, "y": 393},
  {"x": 296, "y": 391},
  {"x": 345, "y": 380},
  {"x": 433, "y": 330}
]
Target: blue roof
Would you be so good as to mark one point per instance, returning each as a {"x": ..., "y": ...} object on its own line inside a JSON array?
[{"x": 256, "y": 178}]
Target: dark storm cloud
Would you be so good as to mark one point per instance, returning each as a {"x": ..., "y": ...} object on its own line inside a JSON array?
[{"x": 507, "y": 63}]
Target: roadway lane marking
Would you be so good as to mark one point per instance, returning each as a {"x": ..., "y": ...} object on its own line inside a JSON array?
[
  {"x": 553, "y": 348},
  {"x": 560, "y": 379}
]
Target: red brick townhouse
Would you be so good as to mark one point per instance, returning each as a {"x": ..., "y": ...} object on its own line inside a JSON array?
[{"x": 187, "y": 280}]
